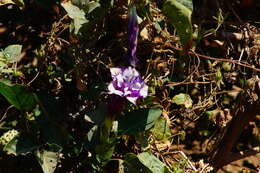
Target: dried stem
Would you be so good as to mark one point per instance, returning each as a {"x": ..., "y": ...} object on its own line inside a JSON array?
[
  {"x": 241, "y": 63},
  {"x": 238, "y": 156},
  {"x": 234, "y": 130}
]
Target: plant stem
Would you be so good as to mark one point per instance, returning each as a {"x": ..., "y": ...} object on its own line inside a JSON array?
[{"x": 234, "y": 130}]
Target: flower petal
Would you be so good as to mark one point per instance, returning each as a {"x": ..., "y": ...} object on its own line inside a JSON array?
[
  {"x": 144, "y": 91},
  {"x": 127, "y": 82},
  {"x": 112, "y": 90},
  {"x": 115, "y": 71},
  {"x": 132, "y": 99}
]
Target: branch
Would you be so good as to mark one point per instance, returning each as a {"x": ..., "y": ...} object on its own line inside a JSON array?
[
  {"x": 238, "y": 156},
  {"x": 241, "y": 63},
  {"x": 234, "y": 130}
]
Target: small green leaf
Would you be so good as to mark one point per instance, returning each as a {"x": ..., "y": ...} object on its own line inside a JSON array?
[
  {"x": 76, "y": 14},
  {"x": 12, "y": 52},
  {"x": 182, "y": 99},
  {"x": 91, "y": 6},
  {"x": 73, "y": 11},
  {"x": 161, "y": 130},
  {"x": 227, "y": 66},
  {"x": 92, "y": 138},
  {"x": 18, "y": 95},
  {"x": 86, "y": 5},
  {"x": 187, "y": 3},
  {"x": 138, "y": 121},
  {"x": 133, "y": 164},
  {"x": 152, "y": 162},
  {"x": 80, "y": 3},
  {"x": 218, "y": 75},
  {"x": 179, "y": 13}
]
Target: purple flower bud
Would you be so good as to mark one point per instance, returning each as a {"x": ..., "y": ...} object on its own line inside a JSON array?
[
  {"x": 132, "y": 36},
  {"x": 128, "y": 83}
]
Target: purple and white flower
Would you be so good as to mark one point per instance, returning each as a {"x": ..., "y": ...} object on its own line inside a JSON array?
[{"x": 128, "y": 83}]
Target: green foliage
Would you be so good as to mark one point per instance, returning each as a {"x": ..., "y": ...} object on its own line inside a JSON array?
[
  {"x": 54, "y": 133},
  {"x": 55, "y": 59},
  {"x": 8, "y": 56},
  {"x": 21, "y": 144},
  {"x": 152, "y": 162},
  {"x": 179, "y": 13},
  {"x": 97, "y": 116},
  {"x": 220, "y": 19},
  {"x": 77, "y": 15},
  {"x": 145, "y": 162},
  {"x": 227, "y": 66},
  {"x": 179, "y": 166},
  {"x": 87, "y": 6},
  {"x": 12, "y": 52},
  {"x": 161, "y": 130},
  {"x": 182, "y": 99},
  {"x": 79, "y": 11},
  {"x": 18, "y": 95},
  {"x": 138, "y": 121}
]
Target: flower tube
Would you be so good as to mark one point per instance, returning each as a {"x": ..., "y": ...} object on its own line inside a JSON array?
[
  {"x": 126, "y": 81},
  {"x": 133, "y": 30}
]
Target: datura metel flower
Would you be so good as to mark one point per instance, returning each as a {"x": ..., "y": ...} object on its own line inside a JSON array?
[{"x": 126, "y": 81}]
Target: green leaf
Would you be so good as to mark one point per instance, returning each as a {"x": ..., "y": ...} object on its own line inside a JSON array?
[
  {"x": 105, "y": 150},
  {"x": 86, "y": 5},
  {"x": 133, "y": 164},
  {"x": 51, "y": 107},
  {"x": 12, "y": 52},
  {"x": 97, "y": 116},
  {"x": 187, "y": 3},
  {"x": 91, "y": 6},
  {"x": 227, "y": 66},
  {"x": 161, "y": 130},
  {"x": 182, "y": 99},
  {"x": 80, "y": 3},
  {"x": 179, "y": 13},
  {"x": 9, "y": 55},
  {"x": 143, "y": 140},
  {"x": 152, "y": 162},
  {"x": 2, "y": 64},
  {"x": 55, "y": 133},
  {"x": 76, "y": 14},
  {"x": 48, "y": 159},
  {"x": 138, "y": 120},
  {"x": 92, "y": 138},
  {"x": 218, "y": 75},
  {"x": 21, "y": 145},
  {"x": 18, "y": 95}
]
